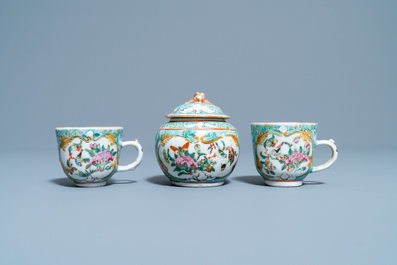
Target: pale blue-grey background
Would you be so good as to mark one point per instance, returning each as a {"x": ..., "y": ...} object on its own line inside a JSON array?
[{"x": 129, "y": 63}]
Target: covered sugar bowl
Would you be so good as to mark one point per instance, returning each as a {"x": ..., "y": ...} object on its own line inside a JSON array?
[{"x": 197, "y": 147}]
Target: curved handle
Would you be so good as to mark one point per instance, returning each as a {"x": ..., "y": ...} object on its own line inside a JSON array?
[
  {"x": 138, "y": 160},
  {"x": 334, "y": 156}
]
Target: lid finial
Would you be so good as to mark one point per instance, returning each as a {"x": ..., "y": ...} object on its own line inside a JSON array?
[{"x": 199, "y": 97}]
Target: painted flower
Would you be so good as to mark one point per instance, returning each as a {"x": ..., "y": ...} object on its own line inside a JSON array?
[
  {"x": 107, "y": 155},
  {"x": 279, "y": 146},
  {"x": 93, "y": 146},
  {"x": 197, "y": 148},
  {"x": 307, "y": 146},
  {"x": 296, "y": 139},
  {"x": 186, "y": 159},
  {"x": 294, "y": 156}
]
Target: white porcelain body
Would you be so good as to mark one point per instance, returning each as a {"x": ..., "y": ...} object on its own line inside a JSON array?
[
  {"x": 284, "y": 152},
  {"x": 89, "y": 156},
  {"x": 197, "y": 153}
]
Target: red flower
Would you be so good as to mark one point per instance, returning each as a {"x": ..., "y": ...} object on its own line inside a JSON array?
[{"x": 186, "y": 159}]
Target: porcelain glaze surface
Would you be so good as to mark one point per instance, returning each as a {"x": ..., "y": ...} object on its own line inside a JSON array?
[
  {"x": 197, "y": 152},
  {"x": 90, "y": 156},
  {"x": 283, "y": 152},
  {"x": 198, "y": 107}
]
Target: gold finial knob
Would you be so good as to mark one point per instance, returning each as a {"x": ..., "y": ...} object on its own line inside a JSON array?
[{"x": 199, "y": 97}]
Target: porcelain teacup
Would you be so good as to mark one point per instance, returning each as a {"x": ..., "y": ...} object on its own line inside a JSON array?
[
  {"x": 283, "y": 151},
  {"x": 90, "y": 156}
]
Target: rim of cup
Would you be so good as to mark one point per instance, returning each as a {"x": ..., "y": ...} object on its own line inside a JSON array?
[
  {"x": 283, "y": 123},
  {"x": 91, "y": 128}
]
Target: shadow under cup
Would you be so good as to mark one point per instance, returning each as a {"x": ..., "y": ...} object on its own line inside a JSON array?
[
  {"x": 283, "y": 151},
  {"x": 89, "y": 156}
]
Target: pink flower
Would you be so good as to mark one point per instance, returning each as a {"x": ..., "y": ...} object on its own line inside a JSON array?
[
  {"x": 279, "y": 146},
  {"x": 104, "y": 154},
  {"x": 307, "y": 145},
  {"x": 296, "y": 139},
  {"x": 186, "y": 159},
  {"x": 93, "y": 145},
  {"x": 292, "y": 158}
]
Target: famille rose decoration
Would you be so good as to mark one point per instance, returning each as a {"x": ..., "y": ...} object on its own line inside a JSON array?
[
  {"x": 283, "y": 151},
  {"x": 90, "y": 156},
  {"x": 197, "y": 147}
]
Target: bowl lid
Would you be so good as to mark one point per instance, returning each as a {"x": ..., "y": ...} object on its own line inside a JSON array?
[{"x": 198, "y": 107}]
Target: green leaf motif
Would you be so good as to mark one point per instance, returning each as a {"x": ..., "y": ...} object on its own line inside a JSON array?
[
  {"x": 165, "y": 157},
  {"x": 297, "y": 162},
  {"x": 290, "y": 152},
  {"x": 169, "y": 157},
  {"x": 284, "y": 167},
  {"x": 90, "y": 152}
]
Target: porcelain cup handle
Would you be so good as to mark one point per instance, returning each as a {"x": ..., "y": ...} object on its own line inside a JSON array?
[
  {"x": 138, "y": 160},
  {"x": 334, "y": 156}
]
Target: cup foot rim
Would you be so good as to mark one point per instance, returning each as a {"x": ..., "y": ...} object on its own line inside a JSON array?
[
  {"x": 280, "y": 183},
  {"x": 197, "y": 185},
  {"x": 91, "y": 185}
]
